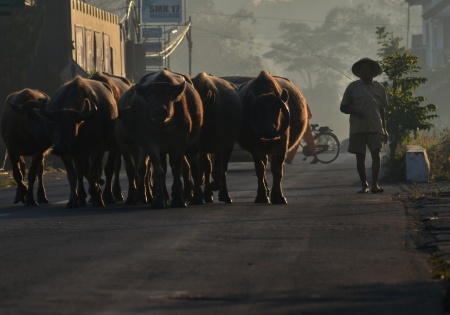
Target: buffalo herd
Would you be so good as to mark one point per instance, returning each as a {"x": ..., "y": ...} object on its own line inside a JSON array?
[{"x": 192, "y": 123}]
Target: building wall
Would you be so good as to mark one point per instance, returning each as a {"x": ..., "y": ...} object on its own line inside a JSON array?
[{"x": 96, "y": 38}]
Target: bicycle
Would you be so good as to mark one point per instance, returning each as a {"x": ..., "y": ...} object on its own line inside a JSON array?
[{"x": 327, "y": 144}]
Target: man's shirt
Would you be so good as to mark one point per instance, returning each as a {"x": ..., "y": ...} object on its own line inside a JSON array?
[{"x": 369, "y": 98}]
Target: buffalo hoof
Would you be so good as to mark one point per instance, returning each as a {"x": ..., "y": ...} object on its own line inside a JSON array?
[
  {"x": 118, "y": 197},
  {"x": 208, "y": 199},
  {"x": 31, "y": 203},
  {"x": 225, "y": 197},
  {"x": 117, "y": 193},
  {"x": 262, "y": 199},
  {"x": 97, "y": 201},
  {"x": 82, "y": 202},
  {"x": 42, "y": 200},
  {"x": 178, "y": 203},
  {"x": 109, "y": 199},
  {"x": 159, "y": 204},
  {"x": 278, "y": 198},
  {"x": 197, "y": 200},
  {"x": 72, "y": 204},
  {"x": 130, "y": 202},
  {"x": 19, "y": 198}
]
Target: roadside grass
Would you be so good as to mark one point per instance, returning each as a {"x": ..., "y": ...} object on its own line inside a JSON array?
[
  {"x": 437, "y": 145},
  {"x": 6, "y": 179}
]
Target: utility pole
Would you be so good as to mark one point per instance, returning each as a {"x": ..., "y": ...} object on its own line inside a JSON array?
[{"x": 189, "y": 38}]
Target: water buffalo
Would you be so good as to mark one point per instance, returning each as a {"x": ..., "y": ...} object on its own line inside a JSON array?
[
  {"x": 82, "y": 114},
  {"x": 165, "y": 116},
  {"x": 113, "y": 192},
  {"x": 221, "y": 127},
  {"x": 275, "y": 118},
  {"x": 24, "y": 134},
  {"x": 139, "y": 188}
]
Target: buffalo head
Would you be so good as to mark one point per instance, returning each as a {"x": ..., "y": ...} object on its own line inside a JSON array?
[
  {"x": 66, "y": 124},
  {"x": 159, "y": 98},
  {"x": 270, "y": 114}
]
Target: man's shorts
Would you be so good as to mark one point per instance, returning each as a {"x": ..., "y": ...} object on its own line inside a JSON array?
[{"x": 359, "y": 141}]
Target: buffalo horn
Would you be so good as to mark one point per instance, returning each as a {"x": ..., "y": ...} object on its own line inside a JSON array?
[
  {"x": 88, "y": 110},
  {"x": 44, "y": 111},
  {"x": 286, "y": 117}
]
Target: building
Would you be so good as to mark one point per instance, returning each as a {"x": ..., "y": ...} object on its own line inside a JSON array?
[
  {"x": 76, "y": 38},
  {"x": 433, "y": 45}
]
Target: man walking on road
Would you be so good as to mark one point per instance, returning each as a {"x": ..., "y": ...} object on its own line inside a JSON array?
[{"x": 366, "y": 103}]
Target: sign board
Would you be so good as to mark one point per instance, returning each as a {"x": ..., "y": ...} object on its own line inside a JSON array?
[
  {"x": 152, "y": 32},
  {"x": 153, "y": 46},
  {"x": 154, "y": 61},
  {"x": 161, "y": 11}
]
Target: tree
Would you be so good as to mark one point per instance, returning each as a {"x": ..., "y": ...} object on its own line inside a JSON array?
[
  {"x": 222, "y": 44},
  {"x": 405, "y": 114},
  {"x": 320, "y": 58}
]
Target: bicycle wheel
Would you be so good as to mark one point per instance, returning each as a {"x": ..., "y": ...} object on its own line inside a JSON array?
[{"x": 327, "y": 147}]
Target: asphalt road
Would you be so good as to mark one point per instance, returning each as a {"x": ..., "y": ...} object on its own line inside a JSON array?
[{"x": 329, "y": 251}]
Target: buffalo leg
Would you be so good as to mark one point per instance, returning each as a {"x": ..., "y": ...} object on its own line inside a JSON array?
[
  {"x": 217, "y": 170},
  {"x": 81, "y": 167},
  {"x": 116, "y": 189},
  {"x": 17, "y": 163},
  {"x": 41, "y": 194},
  {"x": 72, "y": 178},
  {"x": 37, "y": 159},
  {"x": 197, "y": 198},
  {"x": 223, "y": 192},
  {"x": 187, "y": 184},
  {"x": 130, "y": 169},
  {"x": 159, "y": 199},
  {"x": 277, "y": 172},
  {"x": 176, "y": 160},
  {"x": 109, "y": 173},
  {"x": 205, "y": 165},
  {"x": 94, "y": 175},
  {"x": 142, "y": 196},
  {"x": 260, "y": 161}
]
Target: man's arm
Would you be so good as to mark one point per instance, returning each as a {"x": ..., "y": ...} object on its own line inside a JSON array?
[{"x": 346, "y": 105}]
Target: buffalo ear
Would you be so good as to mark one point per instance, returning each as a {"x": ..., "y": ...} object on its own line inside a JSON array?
[{"x": 284, "y": 96}]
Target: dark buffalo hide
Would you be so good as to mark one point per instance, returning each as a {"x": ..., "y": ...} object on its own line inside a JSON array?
[
  {"x": 25, "y": 134},
  {"x": 164, "y": 115},
  {"x": 222, "y": 125},
  {"x": 113, "y": 192},
  {"x": 275, "y": 118},
  {"x": 82, "y": 114}
]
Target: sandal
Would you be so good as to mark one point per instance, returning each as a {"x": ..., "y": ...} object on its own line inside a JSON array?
[{"x": 365, "y": 190}]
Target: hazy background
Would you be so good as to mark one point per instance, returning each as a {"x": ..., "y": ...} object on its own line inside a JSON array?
[{"x": 312, "y": 42}]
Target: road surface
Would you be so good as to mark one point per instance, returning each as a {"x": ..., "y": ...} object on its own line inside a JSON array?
[{"x": 329, "y": 251}]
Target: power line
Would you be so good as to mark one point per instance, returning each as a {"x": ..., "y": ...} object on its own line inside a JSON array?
[{"x": 296, "y": 20}]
